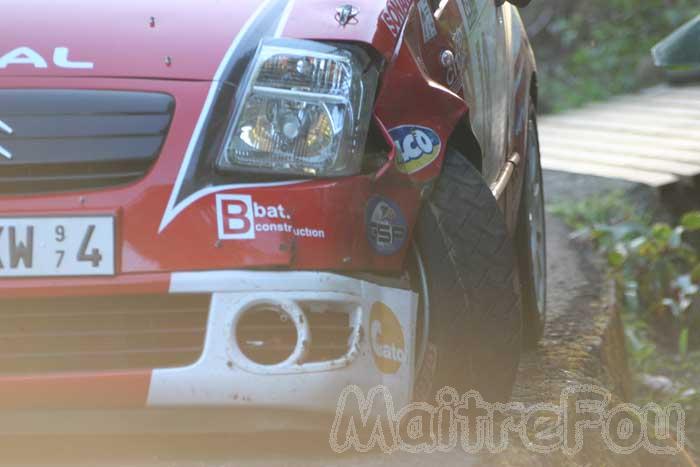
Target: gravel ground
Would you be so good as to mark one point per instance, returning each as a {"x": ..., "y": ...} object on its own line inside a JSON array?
[{"x": 573, "y": 283}]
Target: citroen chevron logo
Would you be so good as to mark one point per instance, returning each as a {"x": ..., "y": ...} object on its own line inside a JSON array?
[{"x": 5, "y": 128}]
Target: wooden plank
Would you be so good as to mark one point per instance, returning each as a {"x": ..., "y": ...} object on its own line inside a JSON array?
[
  {"x": 612, "y": 125},
  {"x": 652, "y": 137},
  {"x": 648, "y": 118},
  {"x": 644, "y": 108},
  {"x": 683, "y": 102},
  {"x": 615, "y": 147},
  {"x": 637, "y": 176},
  {"x": 579, "y": 134},
  {"x": 617, "y": 160},
  {"x": 663, "y": 90}
]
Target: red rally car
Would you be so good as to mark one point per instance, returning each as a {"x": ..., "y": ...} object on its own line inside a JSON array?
[{"x": 244, "y": 206}]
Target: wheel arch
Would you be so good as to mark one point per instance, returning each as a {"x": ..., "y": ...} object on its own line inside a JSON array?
[{"x": 463, "y": 140}]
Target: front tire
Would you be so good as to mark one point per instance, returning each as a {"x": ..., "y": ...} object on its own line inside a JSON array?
[{"x": 473, "y": 306}]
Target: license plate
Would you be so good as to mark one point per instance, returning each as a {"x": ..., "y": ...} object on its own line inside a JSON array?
[{"x": 56, "y": 246}]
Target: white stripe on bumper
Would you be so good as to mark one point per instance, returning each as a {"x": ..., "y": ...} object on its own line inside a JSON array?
[{"x": 221, "y": 377}]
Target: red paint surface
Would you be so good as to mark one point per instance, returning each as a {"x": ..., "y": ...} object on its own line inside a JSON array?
[
  {"x": 190, "y": 242},
  {"x": 129, "y": 54},
  {"x": 132, "y": 284},
  {"x": 118, "y": 38}
]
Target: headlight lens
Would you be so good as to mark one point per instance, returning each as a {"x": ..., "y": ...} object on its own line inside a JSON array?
[{"x": 305, "y": 110}]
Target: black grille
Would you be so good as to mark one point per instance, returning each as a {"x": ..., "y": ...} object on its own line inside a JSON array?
[
  {"x": 64, "y": 140},
  {"x": 96, "y": 334}
]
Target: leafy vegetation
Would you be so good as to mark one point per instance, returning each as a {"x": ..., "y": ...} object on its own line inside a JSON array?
[
  {"x": 657, "y": 273},
  {"x": 590, "y": 50},
  {"x": 646, "y": 357},
  {"x": 655, "y": 268}
]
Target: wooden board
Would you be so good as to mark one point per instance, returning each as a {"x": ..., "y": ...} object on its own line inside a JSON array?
[
  {"x": 552, "y": 141},
  {"x": 651, "y": 138},
  {"x": 584, "y": 168}
]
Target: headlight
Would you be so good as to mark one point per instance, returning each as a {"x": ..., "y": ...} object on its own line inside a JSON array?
[{"x": 305, "y": 110}]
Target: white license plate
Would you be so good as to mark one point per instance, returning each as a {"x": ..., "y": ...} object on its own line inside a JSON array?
[{"x": 56, "y": 246}]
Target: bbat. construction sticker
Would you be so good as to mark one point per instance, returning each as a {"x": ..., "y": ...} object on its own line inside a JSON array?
[{"x": 239, "y": 217}]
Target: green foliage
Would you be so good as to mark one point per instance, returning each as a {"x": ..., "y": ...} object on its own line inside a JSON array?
[
  {"x": 691, "y": 221},
  {"x": 611, "y": 208},
  {"x": 653, "y": 265},
  {"x": 646, "y": 358},
  {"x": 597, "y": 48},
  {"x": 659, "y": 274}
]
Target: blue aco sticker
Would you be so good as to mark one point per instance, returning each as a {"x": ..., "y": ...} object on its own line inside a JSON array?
[
  {"x": 417, "y": 147},
  {"x": 387, "y": 230}
]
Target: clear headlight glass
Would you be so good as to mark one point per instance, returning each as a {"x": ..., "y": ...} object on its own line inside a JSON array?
[{"x": 306, "y": 110}]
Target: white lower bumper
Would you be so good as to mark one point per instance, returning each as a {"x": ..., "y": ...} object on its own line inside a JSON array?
[{"x": 380, "y": 353}]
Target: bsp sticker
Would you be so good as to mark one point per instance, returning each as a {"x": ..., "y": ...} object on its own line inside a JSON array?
[
  {"x": 386, "y": 226},
  {"x": 417, "y": 147},
  {"x": 386, "y": 339}
]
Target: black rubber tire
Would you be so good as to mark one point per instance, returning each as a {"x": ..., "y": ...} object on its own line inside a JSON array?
[
  {"x": 475, "y": 320},
  {"x": 533, "y": 319}
]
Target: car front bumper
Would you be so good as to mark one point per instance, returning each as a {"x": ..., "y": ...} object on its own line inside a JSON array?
[{"x": 380, "y": 351}]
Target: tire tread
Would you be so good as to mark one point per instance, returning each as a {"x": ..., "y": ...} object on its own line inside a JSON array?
[{"x": 465, "y": 235}]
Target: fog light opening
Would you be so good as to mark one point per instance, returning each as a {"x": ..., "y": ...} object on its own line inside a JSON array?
[{"x": 270, "y": 334}]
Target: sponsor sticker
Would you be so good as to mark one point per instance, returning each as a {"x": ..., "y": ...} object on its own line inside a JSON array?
[
  {"x": 386, "y": 226},
  {"x": 239, "y": 217},
  {"x": 417, "y": 147},
  {"x": 454, "y": 71},
  {"x": 427, "y": 21},
  {"x": 386, "y": 339},
  {"x": 394, "y": 15}
]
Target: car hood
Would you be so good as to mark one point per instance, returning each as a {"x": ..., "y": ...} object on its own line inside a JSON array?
[{"x": 165, "y": 39}]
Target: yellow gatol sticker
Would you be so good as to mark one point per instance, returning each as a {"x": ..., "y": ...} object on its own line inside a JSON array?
[
  {"x": 386, "y": 339},
  {"x": 417, "y": 147}
]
